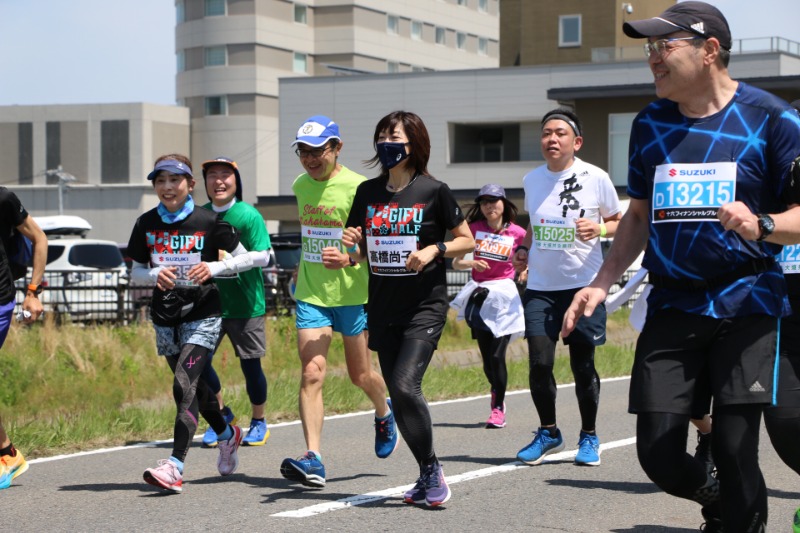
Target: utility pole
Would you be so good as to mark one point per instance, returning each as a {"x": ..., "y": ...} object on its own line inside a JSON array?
[{"x": 63, "y": 179}]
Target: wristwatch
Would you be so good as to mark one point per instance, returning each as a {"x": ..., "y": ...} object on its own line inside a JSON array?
[
  {"x": 35, "y": 289},
  {"x": 766, "y": 225},
  {"x": 442, "y": 248}
]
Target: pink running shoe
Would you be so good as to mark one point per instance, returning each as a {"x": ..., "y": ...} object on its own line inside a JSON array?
[
  {"x": 165, "y": 476},
  {"x": 497, "y": 420},
  {"x": 228, "y": 460}
]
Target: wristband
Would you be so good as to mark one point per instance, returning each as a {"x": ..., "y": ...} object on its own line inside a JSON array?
[
  {"x": 353, "y": 249},
  {"x": 603, "y": 230}
]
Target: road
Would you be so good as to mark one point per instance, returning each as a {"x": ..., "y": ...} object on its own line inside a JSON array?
[{"x": 104, "y": 491}]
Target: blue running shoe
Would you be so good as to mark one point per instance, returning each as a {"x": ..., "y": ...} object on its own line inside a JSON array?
[
  {"x": 436, "y": 490},
  {"x": 258, "y": 434},
  {"x": 307, "y": 470},
  {"x": 543, "y": 444},
  {"x": 588, "y": 450},
  {"x": 5, "y": 476},
  {"x": 210, "y": 436},
  {"x": 386, "y": 435},
  {"x": 416, "y": 494}
]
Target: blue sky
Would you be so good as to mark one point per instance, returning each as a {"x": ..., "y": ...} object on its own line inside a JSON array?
[{"x": 104, "y": 51}]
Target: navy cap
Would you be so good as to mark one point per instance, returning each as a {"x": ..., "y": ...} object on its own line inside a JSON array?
[
  {"x": 170, "y": 165},
  {"x": 491, "y": 190},
  {"x": 699, "y": 18}
]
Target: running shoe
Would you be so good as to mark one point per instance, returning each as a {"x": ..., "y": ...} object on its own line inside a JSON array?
[
  {"x": 703, "y": 453},
  {"x": 307, "y": 469},
  {"x": 542, "y": 445},
  {"x": 498, "y": 418},
  {"x": 165, "y": 476},
  {"x": 210, "y": 436},
  {"x": 257, "y": 435},
  {"x": 588, "y": 450},
  {"x": 11, "y": 467},
  {"x": 228, "y": 460},
  {"x": 796, "y": 523},
  {"x": 416, "y": 494},
  {"x": 713, "y": 521},
  {"x": 436, "y": 490},
  {"x": 386, "y": 435}
]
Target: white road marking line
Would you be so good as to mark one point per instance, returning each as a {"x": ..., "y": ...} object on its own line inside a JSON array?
[{"x": 370, "y": 497}]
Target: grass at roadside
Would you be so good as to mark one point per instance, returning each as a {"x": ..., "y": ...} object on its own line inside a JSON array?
[{"x": 70, "y": 388}]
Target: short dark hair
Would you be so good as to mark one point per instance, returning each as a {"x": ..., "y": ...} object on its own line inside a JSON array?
[
  {"x": 417, "y": 135},
  {"x": 576, "y": 125}
]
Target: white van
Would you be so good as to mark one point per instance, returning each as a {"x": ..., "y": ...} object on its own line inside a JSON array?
[{"x": 84, "y": 278}]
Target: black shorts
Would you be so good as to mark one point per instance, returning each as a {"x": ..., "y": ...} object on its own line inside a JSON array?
[
  {"x": 390, "y": 337},
  {"x": 544, "y": 314},
  {"x": 788, "y": 371},
  {"x": 679, "y": 352}
]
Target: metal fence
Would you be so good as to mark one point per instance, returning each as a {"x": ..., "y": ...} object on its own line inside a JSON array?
[{"x": 109, "y": 296}]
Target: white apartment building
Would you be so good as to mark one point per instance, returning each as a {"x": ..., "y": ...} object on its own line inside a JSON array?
[{"x": 231, "y": 54}]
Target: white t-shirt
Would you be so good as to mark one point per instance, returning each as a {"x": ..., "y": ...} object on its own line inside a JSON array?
[{"x": 554, "y": 201}]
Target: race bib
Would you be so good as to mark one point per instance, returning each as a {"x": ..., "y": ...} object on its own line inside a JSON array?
[
  {"x": 789, "y": 259},
  {"x": 182, "y": 263},
  {"x": 387, "y": 255},
  {"x": 316, "y": 239},
  {"x": 552, "y": 232},
  {"x": 493, "y": 247},
  {"x": 692, "y": 192}
]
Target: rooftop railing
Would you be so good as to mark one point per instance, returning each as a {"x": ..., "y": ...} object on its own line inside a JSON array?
[{"x": 755, "y": 45}]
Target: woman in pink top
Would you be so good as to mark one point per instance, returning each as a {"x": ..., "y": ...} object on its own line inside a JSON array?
[{"x": 491, "y": 300}]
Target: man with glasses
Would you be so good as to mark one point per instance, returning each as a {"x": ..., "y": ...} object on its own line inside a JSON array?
[
  {"x": 331, "y": 292},
  {"x": 712, "y": 200}
]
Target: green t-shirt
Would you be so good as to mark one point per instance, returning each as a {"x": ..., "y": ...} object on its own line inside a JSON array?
[
  {"x": 323, "y": 207},
  {"x": 243, "y": 296}
]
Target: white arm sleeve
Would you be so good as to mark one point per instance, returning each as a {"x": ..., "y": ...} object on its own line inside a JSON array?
[
  {"x": 144, "y": 275},
  {"x": 240, "y": 261}
]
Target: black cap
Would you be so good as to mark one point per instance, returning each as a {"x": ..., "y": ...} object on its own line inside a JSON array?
[{"x": 699, "y": 18}]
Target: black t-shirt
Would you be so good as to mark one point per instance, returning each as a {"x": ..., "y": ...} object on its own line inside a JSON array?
[
  {"x": 197, "y": 238},
  {"x": 12, "y": 214},
  {"x": 417, "y": 216}
]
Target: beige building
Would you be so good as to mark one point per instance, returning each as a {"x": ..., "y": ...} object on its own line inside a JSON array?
[{"x": 232, "y": 53}]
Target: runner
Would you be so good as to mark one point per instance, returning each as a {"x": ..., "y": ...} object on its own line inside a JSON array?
[
  {"x": 491, "y": 299},
  {"x": 331, "y": 292},
  {"x": 398, "y": 223},
  {"x": 14, "y": 217},
  {"x": 717, "y": 292},
  {"x": 571, "y": 204},
  {"x": 176, "y": 247},
  {"x": 242, "y": 298}
]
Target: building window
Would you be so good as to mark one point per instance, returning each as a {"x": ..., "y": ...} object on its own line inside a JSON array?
[
  {"x": 483, "y": 46},
  {"x": 180, "y": 60},
  {"x": 461, "y": 40},
  {"x": 114, "y": 151},
  {"x": 417, "y": 69},
  {"x": 619, "y": 134},
  {"x": 300, "y": 14},
  {"x": 416, "y": 30},
  {"x": 52, "y": 148},
  {"x": 569, "y": 30},
  {"x": 215, "y": 56},
  {"x": 25, "y": 157},
  {"x": 483, "y": 6},
  {"x": 392, "y": 67},
  {"x": 180, "y": 12},
  {"x": 392, "y": 24},
  {"x": 441, "y": 35},
  {"x": 216, "y": 105},
  {"x": 214, "y": 8},
  {"x": 484, "y": 143},
  {"x": 300, "y": 63},
  {"x": 462, "y": 2}
]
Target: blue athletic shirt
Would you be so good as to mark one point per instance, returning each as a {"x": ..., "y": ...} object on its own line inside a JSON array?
[{"x": 686, "y": 169}]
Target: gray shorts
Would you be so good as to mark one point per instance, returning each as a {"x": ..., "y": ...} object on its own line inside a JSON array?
[
  {"x": 247, "y": 335},
  {"x": 203, "y": 332}
]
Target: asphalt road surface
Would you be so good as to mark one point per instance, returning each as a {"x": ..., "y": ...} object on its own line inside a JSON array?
[{"x": 104, "y": 491}]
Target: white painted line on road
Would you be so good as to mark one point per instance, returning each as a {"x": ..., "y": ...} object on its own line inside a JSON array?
[
  {"x": 282, "y": 424},
  {"x": 370, "y": 497}
]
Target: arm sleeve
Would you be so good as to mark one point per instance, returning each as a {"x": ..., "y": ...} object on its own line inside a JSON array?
[
  {"x": 142, "y": 274},
  {"x": 240, "y": 261}
]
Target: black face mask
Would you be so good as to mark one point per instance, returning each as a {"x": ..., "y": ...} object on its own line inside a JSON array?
[{"x": 390, "y": 154}]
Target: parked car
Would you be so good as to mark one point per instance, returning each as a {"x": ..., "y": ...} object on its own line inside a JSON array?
[
  {"x": 84, "y": 278},
  {"x": 287, "y": 250}
]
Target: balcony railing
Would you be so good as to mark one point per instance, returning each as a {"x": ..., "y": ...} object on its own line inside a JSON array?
[{"x": 755, "y": 45}]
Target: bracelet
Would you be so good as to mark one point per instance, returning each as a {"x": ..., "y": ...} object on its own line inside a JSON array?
[
  {"x": 523, "y": 248},
  {"x": 603, "y": 230},
  {"x": 353, "y": 249}
]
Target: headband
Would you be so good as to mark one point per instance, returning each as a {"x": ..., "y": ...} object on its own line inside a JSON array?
[{"x": 565, "y": 118}]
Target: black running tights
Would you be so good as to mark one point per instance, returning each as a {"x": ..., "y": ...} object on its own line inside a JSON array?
[
  {"x": 493, "y": 353},
  {"x": 191, "y": 395},
  {"x": 542, "y": 355},
  {"x": 661, "y": 445},
  {"x": 783, "y": 427},
  {"x": 403, "y": 370}
]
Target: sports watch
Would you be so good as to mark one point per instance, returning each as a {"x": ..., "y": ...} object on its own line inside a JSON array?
[
  {"x": 766, "y": 225},
  {"x": 36, "y": 289},
  {"x": 442, "y": 248}
]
